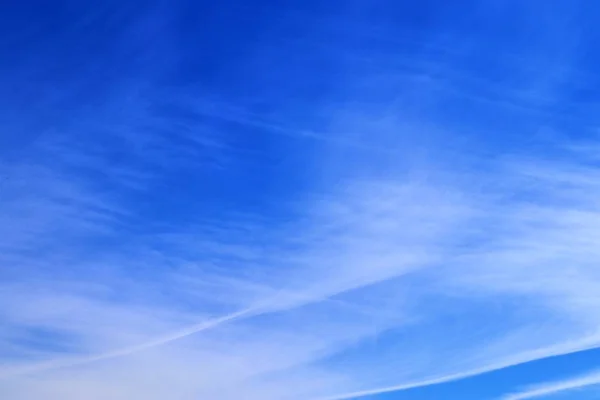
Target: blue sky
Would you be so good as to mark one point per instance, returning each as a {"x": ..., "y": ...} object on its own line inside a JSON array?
[{"x": 299, "y": 200}]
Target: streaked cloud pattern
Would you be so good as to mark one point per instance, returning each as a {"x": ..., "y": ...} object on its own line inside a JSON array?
[{"x": 303, "y": 201}]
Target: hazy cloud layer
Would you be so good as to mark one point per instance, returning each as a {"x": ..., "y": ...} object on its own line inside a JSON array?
[{"x": 335, "y": 208}]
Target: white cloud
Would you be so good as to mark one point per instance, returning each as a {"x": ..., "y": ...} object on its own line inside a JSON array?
[
  {"x": 430, "y": 271},
  {"x": 395, "y": 269},
  {"x": 554, "y": 388}
]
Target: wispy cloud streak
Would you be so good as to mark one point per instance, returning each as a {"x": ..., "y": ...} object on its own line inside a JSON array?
[{"x": 554, "y": 388}]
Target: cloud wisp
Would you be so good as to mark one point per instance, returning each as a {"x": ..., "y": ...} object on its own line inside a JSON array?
[
  {"x": 287, "y": 245},
  {"x": 554, "y": 388}
]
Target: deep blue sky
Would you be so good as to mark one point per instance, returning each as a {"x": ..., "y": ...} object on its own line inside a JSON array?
[{"x": 299, "y": 200}]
